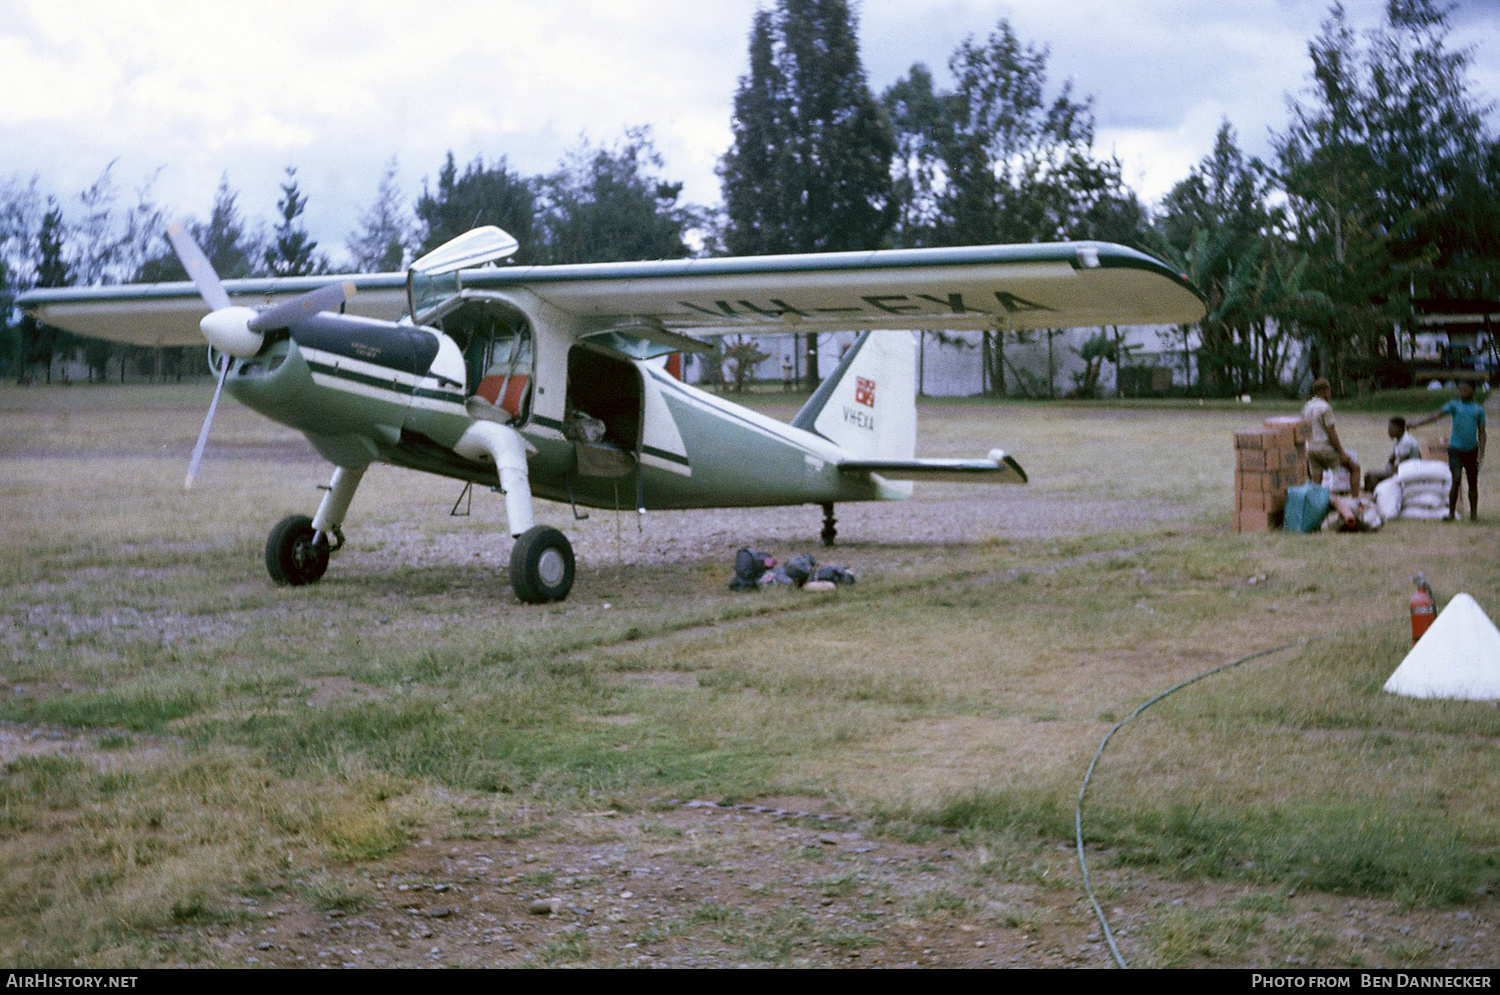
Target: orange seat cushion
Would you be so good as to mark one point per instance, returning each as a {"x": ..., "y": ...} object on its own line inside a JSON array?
[{"x": 515, "y": 393}]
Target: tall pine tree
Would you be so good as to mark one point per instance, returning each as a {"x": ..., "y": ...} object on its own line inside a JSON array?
[
  {"x": 757, "y": 195},
  {"x": 43, "y": 342},
  {"x": 232, "y": 250},
  {"x": 809, "y": 170},
  {"x": 291, "y": 252}
]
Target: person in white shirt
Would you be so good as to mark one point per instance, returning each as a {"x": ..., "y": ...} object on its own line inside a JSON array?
[
  {"x": 1324, "y": 450},
  {"x": 1404, "y": 447}
]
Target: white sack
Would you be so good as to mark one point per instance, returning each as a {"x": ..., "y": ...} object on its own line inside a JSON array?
[
  {"x": 1424, "y": 488},
  {"x": 1424, "y": 469},
  {"x": 1388, "y": 498},
  {"x": 1424, "y": 501}
]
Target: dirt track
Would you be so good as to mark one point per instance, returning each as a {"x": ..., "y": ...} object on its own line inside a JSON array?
[{"x": 706, "y": 887}]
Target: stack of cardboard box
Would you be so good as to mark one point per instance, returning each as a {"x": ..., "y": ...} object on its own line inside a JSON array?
[{"x": 1268, "y": 460}]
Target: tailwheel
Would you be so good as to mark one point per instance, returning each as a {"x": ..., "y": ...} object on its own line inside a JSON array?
[
  {"x": 830, "y": 533},
  {"x": 541, "y": 566},
  {"x": 295, "y": 553}
]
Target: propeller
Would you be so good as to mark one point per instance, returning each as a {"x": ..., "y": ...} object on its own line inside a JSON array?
[
  {"x": 301, "y": 307},
  {"x": 199, "y": 269},
  {"x": 207, "y": 423},
  {"x": 236, "y": 331}
]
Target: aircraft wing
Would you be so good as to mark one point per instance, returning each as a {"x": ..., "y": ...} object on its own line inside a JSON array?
[
  {"x": 166, "y": 314},
  {"x": 1057, "y": 285}
]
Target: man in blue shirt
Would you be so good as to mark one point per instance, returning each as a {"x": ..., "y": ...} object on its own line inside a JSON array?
[{"x": 1465, "y": 445}]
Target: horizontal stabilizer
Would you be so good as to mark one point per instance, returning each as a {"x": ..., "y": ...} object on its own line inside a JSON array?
[{"x": 999, "y": 468}]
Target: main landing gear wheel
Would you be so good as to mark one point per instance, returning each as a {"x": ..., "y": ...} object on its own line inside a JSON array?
[
  {"x": 295, "y": 554},
  {"x": 541, "y": 566}
]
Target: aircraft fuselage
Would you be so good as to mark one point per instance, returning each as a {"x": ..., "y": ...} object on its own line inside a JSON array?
[{"x": 365, "y": 391}]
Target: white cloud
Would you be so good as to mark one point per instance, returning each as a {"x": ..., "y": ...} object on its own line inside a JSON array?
[{"x": 335, "y": 88}]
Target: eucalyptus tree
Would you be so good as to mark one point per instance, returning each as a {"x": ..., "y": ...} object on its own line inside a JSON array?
[
  {"x": 111, "y": 240},
  {"x": 997, "y": 158},
  {"x": 1389, "y": 174},
  {"x": 607, "y": 204},
  {"x": 21, "y": 208},
  {"x": 919, "y": 114},
  {"x": 481, "y": 195},
  {"x": 385, "y": 230}
]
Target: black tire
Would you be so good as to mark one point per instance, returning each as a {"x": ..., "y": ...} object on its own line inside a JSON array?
[
  {"x": 541, "y": 566},
  {"x": 294, "y": 554}
]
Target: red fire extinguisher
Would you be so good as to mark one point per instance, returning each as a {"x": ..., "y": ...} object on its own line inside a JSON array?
[{"x": 1422, "y": 609}]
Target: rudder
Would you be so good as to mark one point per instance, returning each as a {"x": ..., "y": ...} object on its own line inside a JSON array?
[{"x": 868, "y": 406}]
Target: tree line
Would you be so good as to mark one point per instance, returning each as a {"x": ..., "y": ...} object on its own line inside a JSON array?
[
  {"x": 602, "y": 203},
  {"x": 1380, "y": 197}
]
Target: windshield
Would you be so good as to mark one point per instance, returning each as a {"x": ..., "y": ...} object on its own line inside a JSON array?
[
  {"x": 434, "y": 278},
  {"x": 424, "y": 293}
]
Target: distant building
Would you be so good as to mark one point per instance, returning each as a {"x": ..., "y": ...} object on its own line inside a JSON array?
[{"x": 952, "y": 364}]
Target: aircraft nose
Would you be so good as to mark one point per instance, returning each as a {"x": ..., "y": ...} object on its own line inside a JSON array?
[{"x": 227, "y": 330}]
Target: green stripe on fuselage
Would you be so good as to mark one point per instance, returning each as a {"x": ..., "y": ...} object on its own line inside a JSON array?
[{"x": 383, "y": 383}]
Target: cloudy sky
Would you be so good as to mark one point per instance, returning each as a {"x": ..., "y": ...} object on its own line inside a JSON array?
[{"x": 188, "y": 91}]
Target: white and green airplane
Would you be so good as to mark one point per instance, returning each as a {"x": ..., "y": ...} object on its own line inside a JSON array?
[{"x": 558, "y": 381}]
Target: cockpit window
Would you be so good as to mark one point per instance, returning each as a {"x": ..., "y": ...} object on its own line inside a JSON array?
[{"x": 424, "y": 293}]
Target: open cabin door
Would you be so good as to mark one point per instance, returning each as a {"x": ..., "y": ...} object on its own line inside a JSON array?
[
  {"x": 499, "y": 351},
  {"x": 494, "y": 336},
  {"x": 604, "y": 413},
  {"x": 500, "y": 361}
]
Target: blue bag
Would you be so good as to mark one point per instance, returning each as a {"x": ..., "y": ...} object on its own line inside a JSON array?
[{"x": 1306, "y": 507}]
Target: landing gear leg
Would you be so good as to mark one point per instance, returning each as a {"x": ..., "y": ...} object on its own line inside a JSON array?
[
  {"x": 298, "y": 548},
  {"x": 541, "y": 562},
  {"x": 829, "y": 532},
  {"x": 341, "y": 488}
]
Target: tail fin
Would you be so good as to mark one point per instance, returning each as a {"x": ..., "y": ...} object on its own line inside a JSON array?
[{"x": 868, "y": 406}]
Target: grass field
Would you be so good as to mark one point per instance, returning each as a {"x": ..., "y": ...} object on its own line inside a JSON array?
[{"x": 190, "y": 750}]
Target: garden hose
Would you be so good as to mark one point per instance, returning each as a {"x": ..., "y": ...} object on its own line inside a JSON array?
[{"x": 1083, "y": 789}]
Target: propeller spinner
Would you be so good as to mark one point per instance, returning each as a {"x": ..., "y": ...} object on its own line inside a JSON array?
[{"x": 235, "y": 330}]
